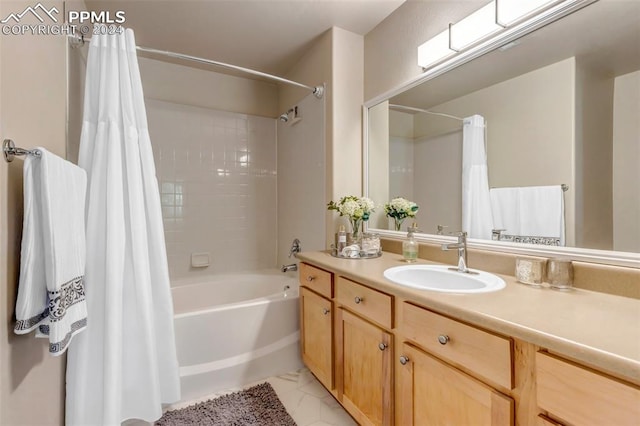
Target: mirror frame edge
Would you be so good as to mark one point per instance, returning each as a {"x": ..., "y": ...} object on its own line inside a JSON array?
[{"x": 607, "y": 257}]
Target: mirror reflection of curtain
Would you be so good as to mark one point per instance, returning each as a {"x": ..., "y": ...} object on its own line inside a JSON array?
[{"x": 477, "y": 219}]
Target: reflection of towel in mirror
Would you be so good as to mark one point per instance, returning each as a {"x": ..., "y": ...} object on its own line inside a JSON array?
[
  {"x": 529, "y": 211},
  {"x": 51, "y": 295}
]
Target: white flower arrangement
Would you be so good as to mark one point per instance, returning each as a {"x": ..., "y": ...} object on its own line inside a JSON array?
[
  {"x": 399, "y": 209},
  {"x": 357, "y": 209}
]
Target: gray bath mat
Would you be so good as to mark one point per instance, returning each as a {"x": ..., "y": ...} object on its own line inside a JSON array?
[{"x": 256, "y": 406}]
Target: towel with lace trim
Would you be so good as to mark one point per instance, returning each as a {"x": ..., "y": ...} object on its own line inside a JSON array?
[{"x": 51, "y": 296}]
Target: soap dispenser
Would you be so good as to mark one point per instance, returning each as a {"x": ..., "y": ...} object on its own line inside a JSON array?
[{"x": 410, "y": 245}]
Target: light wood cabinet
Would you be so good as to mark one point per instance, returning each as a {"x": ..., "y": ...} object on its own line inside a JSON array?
[
  {"x": 387, "y": 360},
  {"x": 363, "y": 369},
  {"x": 316, "y": 340},
  {"x": 435, "y": 393},
  {"x": 316, "y": 279},
  {"x": 371, "y": 304},
  {"x": 580, "y": 396},
  {"x": 487, "y": 355}
]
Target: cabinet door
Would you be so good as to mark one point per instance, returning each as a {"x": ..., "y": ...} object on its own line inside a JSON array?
[
  {"x": 316, "y": 314},
  {"x": 434, "y": 393},
  {"x": 363, "y": 369}
]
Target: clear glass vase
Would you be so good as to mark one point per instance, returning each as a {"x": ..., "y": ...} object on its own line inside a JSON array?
[
  {"x": 398, "y": 223},
  {"x": 356, "y": 233}
]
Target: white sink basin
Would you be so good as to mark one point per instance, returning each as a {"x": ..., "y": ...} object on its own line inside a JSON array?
[{"x": 441, "y": 278}]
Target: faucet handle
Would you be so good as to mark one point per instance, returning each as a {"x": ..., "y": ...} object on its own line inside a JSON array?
[
  {"x": 295, "y": 247},
  {"x": 496, "y": 234},
  {"x": 458, "y": 233},
  {"x": 462, "y": 236}
]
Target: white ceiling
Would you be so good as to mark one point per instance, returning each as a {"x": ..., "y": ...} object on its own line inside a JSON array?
[{"x": 265, "y": 35}]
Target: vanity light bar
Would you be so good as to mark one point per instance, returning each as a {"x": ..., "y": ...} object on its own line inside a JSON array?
[
  {"x": 485, "y": 24},
  {"x": 508, "y": 12},
  {"x": 477, "y": 26}
]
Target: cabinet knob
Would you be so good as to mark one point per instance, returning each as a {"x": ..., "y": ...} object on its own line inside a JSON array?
[
  {"x": 382, "y": 346},
  {"x": 310, "y": 278},
  {"x": 443, "y": 339},
  {"x": 358, "y": 300},
  {"x": 325, "y": 311},
  {"x": 404, "y": 360}
]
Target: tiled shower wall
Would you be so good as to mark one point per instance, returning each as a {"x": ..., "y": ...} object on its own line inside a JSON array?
[{"x": 217, "y": 177}]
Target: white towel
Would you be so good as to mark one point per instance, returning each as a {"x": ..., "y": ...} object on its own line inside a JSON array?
[
  {"x": 529, "y": 211},
  {"x": 51, "y": 293}
]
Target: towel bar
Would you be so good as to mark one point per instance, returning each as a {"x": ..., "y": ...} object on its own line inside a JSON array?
[
  {"x": 564, "y": 187},
  {"x": 10, "y": 151}
]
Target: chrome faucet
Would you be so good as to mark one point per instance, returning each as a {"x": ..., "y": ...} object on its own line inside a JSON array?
[
  {"x": 287, "y": 268},
  {"x": 295, "y": 247},
  {"x": 496, "y": 234},
  {"x": 461, "y": 245}
]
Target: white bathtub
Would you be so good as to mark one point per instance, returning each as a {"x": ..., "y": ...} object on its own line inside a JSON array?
[{"x": 235, "y": 329}]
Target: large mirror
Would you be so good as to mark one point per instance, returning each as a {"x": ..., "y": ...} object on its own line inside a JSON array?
[{"x": 561, "y": 108}]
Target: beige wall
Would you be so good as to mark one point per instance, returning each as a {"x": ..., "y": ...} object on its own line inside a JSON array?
[
  {"x": 3, "y": 240},
  {"x": 77, "y": 66},
  {"x": 593, "y": 158},
  {"x": 32, "y": 102},
  {"x": 391, "y": 48},
  {"x": 348, "y": 70},
  {"x": 401, "y": 124},
  {"x": 379, "y": 161},
  {"x": 301, "y": 180},
  {"x": 314, "y": 68},
  {"x": 337, "y": 60},
  {"x": 206, "y": 88},
  {"x": 437, "y": 188},
  {"x": 626, "y": 157}
]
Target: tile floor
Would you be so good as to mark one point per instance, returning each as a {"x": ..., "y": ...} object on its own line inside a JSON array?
[{"x": 306, "y": 400}]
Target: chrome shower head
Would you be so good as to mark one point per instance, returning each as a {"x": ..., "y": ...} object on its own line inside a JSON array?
[{"x": 284, "y": 117}]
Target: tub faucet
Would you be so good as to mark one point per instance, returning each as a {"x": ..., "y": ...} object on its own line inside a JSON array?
[
  {"x": 461, "y": 245},
  {"x": 287, "y": 268}
]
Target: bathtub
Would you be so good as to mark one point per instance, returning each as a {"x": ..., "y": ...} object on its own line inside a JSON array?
[{"x": 235, "y": 329}]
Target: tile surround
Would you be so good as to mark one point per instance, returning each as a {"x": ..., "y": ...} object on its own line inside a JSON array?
[{"x": 217, "y": 176}]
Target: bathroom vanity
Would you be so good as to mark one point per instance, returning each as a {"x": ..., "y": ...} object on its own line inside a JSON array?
[{"x": 519, "y": 356}]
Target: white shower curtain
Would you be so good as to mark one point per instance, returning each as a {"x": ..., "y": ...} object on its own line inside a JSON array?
[
  {"x": 124, "y": 365},
  {"x": 477, "y": 220}
]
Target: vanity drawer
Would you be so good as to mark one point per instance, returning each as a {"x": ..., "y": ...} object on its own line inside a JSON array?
[
  {"x": 582, "y": 396},
  {"x": 316, "y": 279},
  {"x": 365, "y": 301},
  {"x": 481, "y": 352}
]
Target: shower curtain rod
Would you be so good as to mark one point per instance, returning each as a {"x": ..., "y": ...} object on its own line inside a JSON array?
[
  {"x": 318, "y": 91},
  {"x": 407, "y": 108}
]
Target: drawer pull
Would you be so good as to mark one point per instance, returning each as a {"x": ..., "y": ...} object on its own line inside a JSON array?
[
  {"x": 443, "y": 339},
  {"x": 310, "y": 278},
  {"x": 358, "y": 300},
  {"x": 404, "y": 360},
  {"x": 325, "y": 311},
  {"x": 382, "y": 346}
]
